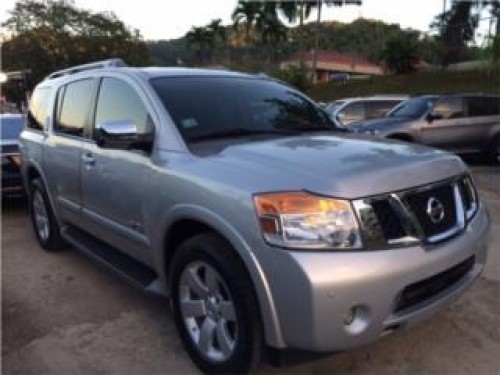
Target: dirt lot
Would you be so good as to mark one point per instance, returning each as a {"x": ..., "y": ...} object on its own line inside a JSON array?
[{"x": 62, "y": 314}]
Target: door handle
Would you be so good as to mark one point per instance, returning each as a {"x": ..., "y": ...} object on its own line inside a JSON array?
[{"x": 88, "y": 159}]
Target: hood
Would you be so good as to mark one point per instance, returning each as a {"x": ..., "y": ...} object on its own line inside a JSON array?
[
  {"x": 344, "y": 166},
  {"x": 379, "y": 123}
]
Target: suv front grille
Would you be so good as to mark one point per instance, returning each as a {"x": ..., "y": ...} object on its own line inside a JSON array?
[
  {"x": 389, "y": 221},
  {"x": 427, "y": 214},
  {"x": 418, "y": 203}
]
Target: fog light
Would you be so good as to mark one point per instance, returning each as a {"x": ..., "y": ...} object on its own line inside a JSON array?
[{"x": 357, "y": 319}]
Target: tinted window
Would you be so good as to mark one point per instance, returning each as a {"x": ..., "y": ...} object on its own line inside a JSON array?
[
  {"x": 379, "y": 108},
  {"x": 353, "y": 112},
  {"x": 12, "y": 127},
  {"x": 38, "y": 109},
  {"x": 201, "y": 106},
  {"x": 413, "y": 108},
  {"x": 118, "y": 102},
  {"x": 73, "y": 107},
  {"x": 483, "y": 106},
  {"x": 449, "y": 108}
]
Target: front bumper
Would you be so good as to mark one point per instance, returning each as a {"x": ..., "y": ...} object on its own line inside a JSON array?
[{"x": 314, "y": 292}]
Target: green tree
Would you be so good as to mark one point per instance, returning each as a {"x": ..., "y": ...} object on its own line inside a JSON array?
[
  {"x": 53, "y": 34},
  {"x": 270, "y": 28},
  {"x": 401, "y": 53},
  {"x": 219, "y": 37},
  {"x": 246, "y": 12},
  {"x": 201, "y": 40},
  {"x": 457, "y": 27}
]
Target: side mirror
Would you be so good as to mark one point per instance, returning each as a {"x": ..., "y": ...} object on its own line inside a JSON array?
[
  {"x": 122, "y": 135},
  {"x": 430, "y": 117}
]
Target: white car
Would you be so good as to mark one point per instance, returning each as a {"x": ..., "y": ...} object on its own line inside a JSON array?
[{"x": 349, "y": 110}]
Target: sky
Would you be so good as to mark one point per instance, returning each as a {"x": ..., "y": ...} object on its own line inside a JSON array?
[{"x": 168, "y": 19}]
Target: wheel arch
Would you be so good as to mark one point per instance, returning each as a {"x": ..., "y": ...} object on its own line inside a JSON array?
[{"x": 188, "y": 220}]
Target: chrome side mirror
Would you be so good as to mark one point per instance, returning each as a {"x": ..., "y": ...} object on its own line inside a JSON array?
[
  {"x": 122, "y": 135},
  {"x": 118, "y": 128}
]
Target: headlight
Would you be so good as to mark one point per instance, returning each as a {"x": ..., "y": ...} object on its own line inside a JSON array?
[{"x": 306, "y": 221}]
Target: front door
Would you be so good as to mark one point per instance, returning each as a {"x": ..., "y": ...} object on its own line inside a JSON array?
[{"x": 115, "y": 182}]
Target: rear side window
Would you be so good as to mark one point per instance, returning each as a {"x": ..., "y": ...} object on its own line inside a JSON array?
[
  {"x": 38, "y": 109},
  {"x": 353, "y": 112},
  {"x": 450, "y": 108},
  {"x": 483, "y": 106},
  {"x": 74, "y": 101},
  {"x": 118, "y": 102}
]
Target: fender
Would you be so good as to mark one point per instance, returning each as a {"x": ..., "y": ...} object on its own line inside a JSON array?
[
  {"x": 31, "y": 163},
  {"x": 272, "y": 328}
]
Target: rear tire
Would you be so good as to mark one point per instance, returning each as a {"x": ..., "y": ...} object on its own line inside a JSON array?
[
  {"x": 214, "y": 306},
  {"x": 44, "y": 223}
]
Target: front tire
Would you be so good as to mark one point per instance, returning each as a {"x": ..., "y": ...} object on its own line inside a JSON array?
[
  {"x": 45, "y": 225},
  {"x": 214, "y": 305}
]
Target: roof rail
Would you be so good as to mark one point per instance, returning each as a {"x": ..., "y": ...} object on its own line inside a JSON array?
[{"x": 94, "y": 65}]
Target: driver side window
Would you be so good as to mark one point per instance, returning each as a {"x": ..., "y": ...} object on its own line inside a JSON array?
[{"x": 119, "y": 102}]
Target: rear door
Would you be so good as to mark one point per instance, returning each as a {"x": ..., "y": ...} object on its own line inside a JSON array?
[
  {"x": 63, "y": 147},
  {"x": 115, "y": 182},
  {"x": 484, "y": 118}
]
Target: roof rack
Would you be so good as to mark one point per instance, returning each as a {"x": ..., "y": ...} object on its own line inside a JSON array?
[{"x": 110, "y": 63}]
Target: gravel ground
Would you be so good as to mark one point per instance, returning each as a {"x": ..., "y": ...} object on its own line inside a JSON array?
[{"x": 62, "y": 314}]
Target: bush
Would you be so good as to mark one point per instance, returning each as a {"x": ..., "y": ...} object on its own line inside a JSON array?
[{"x": 294, "y": 76}]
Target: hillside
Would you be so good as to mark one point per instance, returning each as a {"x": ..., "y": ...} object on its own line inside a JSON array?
[
  {"x": 363, "y": 37},
  {"x": 425, "y": 82}
]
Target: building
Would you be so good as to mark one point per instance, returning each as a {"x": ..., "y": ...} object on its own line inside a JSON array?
[{"x": 333, "y": 65}]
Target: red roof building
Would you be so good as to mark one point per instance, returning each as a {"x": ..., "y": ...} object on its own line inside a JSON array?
[{"x": 329, "y": 64}]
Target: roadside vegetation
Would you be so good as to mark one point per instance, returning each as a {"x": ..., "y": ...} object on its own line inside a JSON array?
[{"x": 439, "y": 81}]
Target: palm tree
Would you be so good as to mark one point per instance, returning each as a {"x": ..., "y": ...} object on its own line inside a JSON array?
[
  {"x": 271, "y": 29},
  {"x": 218, "y": 35},
  {"x": 246, "y": 12},
  {"x": 199, "y": 39}
]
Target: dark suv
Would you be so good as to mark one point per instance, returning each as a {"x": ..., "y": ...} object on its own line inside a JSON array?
[{"x": 462, "y": 123}]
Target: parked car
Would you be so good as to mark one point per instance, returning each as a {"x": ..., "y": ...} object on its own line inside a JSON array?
[
  {"x": 351, "y": 110},
  {"x": 462, "y": 123},
  {"x": 230, "y": 194},
  {"x": 11, "y": 127}
]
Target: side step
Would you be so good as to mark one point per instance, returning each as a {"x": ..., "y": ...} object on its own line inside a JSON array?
[{"x": 134, "y": 272}]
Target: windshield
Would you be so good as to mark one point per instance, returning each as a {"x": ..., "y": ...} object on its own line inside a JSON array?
[
  {"x": 413, "y": 108},
  {"x": 208, "y": 107},
  {"x": 11, "y": 127}
]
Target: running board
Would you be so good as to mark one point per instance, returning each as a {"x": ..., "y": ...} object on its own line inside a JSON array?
[{"x": 134, "y": 272}]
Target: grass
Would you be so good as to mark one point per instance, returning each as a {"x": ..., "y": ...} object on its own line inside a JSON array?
[{"x": 418, "y": 83}]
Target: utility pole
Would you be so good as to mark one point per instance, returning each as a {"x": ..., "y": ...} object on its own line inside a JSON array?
[{"x": 316, "y": 43}]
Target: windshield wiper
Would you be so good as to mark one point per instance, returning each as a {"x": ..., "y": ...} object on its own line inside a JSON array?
[{"x": 239, "y": 132}]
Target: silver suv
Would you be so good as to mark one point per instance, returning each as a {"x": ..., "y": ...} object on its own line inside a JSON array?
[{"x": 231, "y": 195}]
